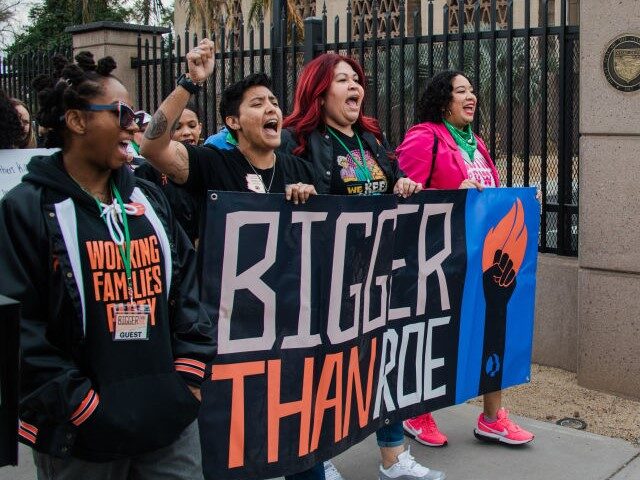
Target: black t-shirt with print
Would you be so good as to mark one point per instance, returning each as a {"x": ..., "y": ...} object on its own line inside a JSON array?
[
  {"x": 105, "y": 287},
  {"x": 347, "y": 177},
  {"x": 228, "y": 170}
]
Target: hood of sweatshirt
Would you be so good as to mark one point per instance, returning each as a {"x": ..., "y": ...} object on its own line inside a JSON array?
[{"x": 49, "y": 171}]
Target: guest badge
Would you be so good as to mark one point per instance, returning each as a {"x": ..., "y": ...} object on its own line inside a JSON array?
[{"x": 131, "y": 321}]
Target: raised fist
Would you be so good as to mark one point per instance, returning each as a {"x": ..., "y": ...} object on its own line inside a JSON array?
[{"x": 201, "y": 61}]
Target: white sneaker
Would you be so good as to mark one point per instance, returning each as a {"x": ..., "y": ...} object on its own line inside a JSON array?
[
  {"x": 406, "y": 468},
  {"x": 331, "y": 472}
]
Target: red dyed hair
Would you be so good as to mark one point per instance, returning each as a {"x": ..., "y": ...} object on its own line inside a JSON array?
[{"x": 314, "y": 82}]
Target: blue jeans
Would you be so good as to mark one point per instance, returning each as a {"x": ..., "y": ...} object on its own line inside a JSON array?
[
  {"x": 390, "y": 435},
  {"x": 387, "y": 436}
]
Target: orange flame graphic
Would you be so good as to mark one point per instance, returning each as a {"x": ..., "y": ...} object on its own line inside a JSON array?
[{"x": 510, "y": 236}]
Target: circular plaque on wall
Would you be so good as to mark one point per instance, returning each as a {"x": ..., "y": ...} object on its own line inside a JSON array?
[{"x": 622, "y": 63}]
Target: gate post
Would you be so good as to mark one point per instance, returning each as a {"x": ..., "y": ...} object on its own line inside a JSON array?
[
  {"x": 312, "y": 36},
  {"x": 609, "y": 258},
  {"x": 120, "y": 41}
]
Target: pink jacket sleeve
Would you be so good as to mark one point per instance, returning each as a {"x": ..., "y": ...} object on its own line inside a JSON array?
[{"x": 415, "y": 153}]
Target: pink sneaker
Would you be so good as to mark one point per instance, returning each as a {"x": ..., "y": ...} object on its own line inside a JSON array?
[
  {"x": 502, "y": 430},
  {"x": 424, "y": 430}
]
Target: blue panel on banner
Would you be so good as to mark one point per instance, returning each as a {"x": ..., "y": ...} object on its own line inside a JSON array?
[{"x": 484, "y": 211}]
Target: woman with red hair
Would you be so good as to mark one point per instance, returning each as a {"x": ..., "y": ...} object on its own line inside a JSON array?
[
  {"x": 350, "y": 157},
  {"x": 327, "y": 126}
]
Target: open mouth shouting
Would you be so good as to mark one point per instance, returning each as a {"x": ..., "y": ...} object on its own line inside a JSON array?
[
  {"x": 272, "y": 127},
  {"x": 353, "y": 102}
]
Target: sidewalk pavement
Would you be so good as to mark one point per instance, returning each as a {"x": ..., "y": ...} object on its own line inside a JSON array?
[{"x": 557, "y": 453}]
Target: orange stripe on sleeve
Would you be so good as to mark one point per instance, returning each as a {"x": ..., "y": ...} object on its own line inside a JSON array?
[
  {"x": 194, "y": 371},
  {"x": 193, "y": 363}
]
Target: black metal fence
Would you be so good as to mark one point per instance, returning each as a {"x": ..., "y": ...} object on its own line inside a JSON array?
[
  {"x": 526, "y": 79},
  {"x": 18, "y": 71}
]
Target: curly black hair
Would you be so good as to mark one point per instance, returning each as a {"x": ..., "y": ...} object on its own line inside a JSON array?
[
  {"x": 11, "y": 133},
  {"x": 71, "y": 85},
  {"x": 436, "y": 96}
]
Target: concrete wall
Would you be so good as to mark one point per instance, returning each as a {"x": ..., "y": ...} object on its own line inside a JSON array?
[
  {"x": 555, "y": 342},
  {"x": 609, "y": 250}
]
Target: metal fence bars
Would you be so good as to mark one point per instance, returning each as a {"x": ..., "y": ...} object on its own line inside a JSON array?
[
  {"x": 526, "y": 80},
  {"x": 18, "y": 71}
]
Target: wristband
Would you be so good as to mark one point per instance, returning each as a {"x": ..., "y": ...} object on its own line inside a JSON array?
[{"x": 186, "y": 83}]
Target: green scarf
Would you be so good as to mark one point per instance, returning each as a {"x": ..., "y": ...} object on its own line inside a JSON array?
[{"x": 465, "y": 139}]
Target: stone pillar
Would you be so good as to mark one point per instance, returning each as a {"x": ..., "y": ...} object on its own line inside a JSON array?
[
  {"x": 609, "y": 249},
  {"x": 119, "y": 40}
]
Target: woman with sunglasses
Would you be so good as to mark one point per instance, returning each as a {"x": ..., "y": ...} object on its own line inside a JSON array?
[{"x": 114, "y": 342}]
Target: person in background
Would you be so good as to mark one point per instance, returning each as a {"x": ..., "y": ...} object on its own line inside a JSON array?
[
  {"x": 222, "y": 140},
  {"x": 29, "y": 139},
  {"x": 11, "y": 131},
  {"x": 142, "y": 119},
  {"x": 114, "y": 342},
  {"x": 188, "y": 127},
  {"x": 185, "y": 207},
  {"x": 350, "y": 157},
  {"x": 443, "y": 152}
]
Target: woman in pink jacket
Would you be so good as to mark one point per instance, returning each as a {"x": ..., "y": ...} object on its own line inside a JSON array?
[{"x": 442, "y": 152}]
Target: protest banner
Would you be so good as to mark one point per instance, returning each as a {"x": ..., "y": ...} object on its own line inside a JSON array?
[
  {"x": 9, "y": 341},
  {"x": 13, "y": 165},
  {"x": 345, "y": 314}
]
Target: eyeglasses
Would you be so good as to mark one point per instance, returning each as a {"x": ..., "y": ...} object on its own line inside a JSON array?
[
  {"x": 126, "y": 116},
  {"x": 139, "y": 119}
]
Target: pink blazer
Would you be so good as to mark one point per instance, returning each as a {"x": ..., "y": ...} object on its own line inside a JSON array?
[{"x": 416, "y": 152}]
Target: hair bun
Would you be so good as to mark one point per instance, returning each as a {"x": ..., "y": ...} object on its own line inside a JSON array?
[
  {"x": 58, "y": 61},
  {"x": 72, "y": 74},
  {"x": 41, "y": 82},
  {"x": 106, "y": 65},
  {"x": 85, "y": 61}
]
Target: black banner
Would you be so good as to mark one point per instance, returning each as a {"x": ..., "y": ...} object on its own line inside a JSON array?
[{"x": 349, "y": 313}]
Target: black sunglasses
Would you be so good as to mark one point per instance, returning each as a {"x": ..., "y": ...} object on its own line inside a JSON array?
[{"x": 126, "y": 116}]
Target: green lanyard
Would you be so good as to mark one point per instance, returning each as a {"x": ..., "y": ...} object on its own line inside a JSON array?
[
  {"x": 125, "y": 252},
  {"x": 362, "y": 166}
]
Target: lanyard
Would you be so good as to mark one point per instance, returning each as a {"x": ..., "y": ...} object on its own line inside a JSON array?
[
  {"x": 362, "y": 166},
  {"x": 125, "y": 251}
]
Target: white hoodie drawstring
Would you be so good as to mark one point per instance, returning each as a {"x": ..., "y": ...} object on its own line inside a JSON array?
[{"x": 112, "y": 214}]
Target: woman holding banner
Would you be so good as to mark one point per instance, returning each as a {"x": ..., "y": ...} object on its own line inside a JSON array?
[
  {"x": 350, "y": 157},
  {"x": 442, "y": 152},
  {"x": 114, "y": 343}
]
